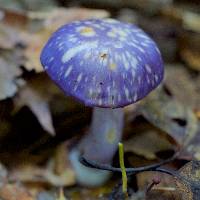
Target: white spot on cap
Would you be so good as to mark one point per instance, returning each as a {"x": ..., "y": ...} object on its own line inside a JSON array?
[
  {"x": 142, "y": 36},
  {"x": 68, "y": 71},
  {"x": 72, "y": 39},
  {"x": 119, "y": 97},
  {"x": 141, "y": 49},
  {"x": 134, "y": 62},
  {"x": 145, "y": 44},
  {"x": 135, "y": 97},
  {"x": 148, "y": 68},
  {"x": 156, "y": 77},
  {"x": 128, "y": 54},
  {"x": 79, "y": 77},
  {"x": 118, "y": 45},
  {"x": 51, "y": 59},
  {"x": 87, "y": 55},
  {"x": 68, "y": 55},
  {"x": 81, "y": 63},
  {"x": 78, "y": 81},
  {"x": 139, "y": 79},
  {"x": 122, "y": 33},
  {"x": 60, "y": 48},
  {"x": 99, "y": 90},
  {"x": 134, "y": 41},
  {"x": 148, "y": 80},
  {"x": 113, "y": 83},
  {"x": 50, "y": 44},
  {"x": 90, "y": 92},
  {"x": 138, "y": 57},
  {"x": 60, "y": 44},
  {"x": 133, "y": 73},
  {"x": 158, "y": 51},
  {"x": 94, "y": 79},
  {"x": 127, "y": 93},
  {"x": 108, "y": 89},
  {"x": 100, "y": 102},
  {"x": 97, "y": 26},
  {"x": 111, "y": 34}
]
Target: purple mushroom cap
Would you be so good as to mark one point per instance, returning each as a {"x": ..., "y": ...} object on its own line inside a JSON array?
[{"x": 103, "y": 62}]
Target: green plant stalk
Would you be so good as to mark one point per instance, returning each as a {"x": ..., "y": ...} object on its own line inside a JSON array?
[{"x": 123, "y": 169}]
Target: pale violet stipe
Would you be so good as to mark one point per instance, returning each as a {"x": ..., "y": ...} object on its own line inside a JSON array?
[{"x": 103, "y": 62}]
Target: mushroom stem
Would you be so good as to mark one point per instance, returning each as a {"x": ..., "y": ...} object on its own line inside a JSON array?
[
  {"x": 100, "y": 145},
  {"x": 105, "y": 133}
]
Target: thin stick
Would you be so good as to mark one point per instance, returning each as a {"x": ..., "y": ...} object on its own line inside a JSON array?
[
  {"x": 123, "y": 169},
  {"x": 129, "y": 171}
]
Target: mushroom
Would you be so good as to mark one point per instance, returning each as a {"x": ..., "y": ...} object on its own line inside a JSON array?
[{"x": 106, "y": 64}]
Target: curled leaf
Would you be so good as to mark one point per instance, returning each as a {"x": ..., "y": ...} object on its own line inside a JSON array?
[
  {"x": 170, "y": 116},
  {"x": 188, "y": 181}
]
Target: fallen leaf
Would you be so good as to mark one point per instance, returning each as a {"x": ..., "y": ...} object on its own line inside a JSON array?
[
  {"x": 188, "y": 181},
  {"x": 8, "y": 74},
  {"x": 147, "y": 143},
  {"x": 35, "y": 174},
  {"x": 162, "y": 30},
  {"x": 55, "y": 172},
  {"x": 30, "y": 96},
  {"x": 191, "y": 21},
  {"x": 179, "y": 79},
  {"x": 9, "y": 37},
  {"x": 27, "y": 4},
  {"x": 190, "y": 50},
  {"x": 15, "y": 192},
  {"x": 170, "y": 116},
  {"x": 61, "y": 16},
  {"x": 163, "y": 194},
  {"x": 51, "y": 22}
]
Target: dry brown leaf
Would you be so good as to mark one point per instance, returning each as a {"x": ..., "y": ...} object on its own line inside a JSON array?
[
  {"x": 15, "y": 192},
  {"x": 36, "y": 174},
  {"x": 61, "y": 16},
  {"x": 192, "y": 58},
  {"x": 48, "y": 22},
  {"x": 52, "y": 21},
  {"x": 147, "y": 143},
  {"x": 8, "y": 73},
  {"x": 163, "y": 194},
  {"x": 49, "y": 175},
  {"x": 189, "y": 48},
  {"x": 177, "y": 80},
  {"x": 188, "y": 181},
  {"x": 9, "y": 37},
  {"x": 14, "y": 19},
  {"x": 187, "y": 16},
  {"x": 34, "y": 96},
  {"x": 170, "y": 116},
  {"x": 191, "y": 21}
]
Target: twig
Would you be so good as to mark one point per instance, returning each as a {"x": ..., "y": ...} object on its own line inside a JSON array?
[{"x": 129, "y": 171}]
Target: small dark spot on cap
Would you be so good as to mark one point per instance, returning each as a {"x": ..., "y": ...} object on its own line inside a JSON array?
[{"x": 104, "y": 55}]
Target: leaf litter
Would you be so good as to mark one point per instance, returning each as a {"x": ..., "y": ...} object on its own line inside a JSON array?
[{"x": 163, "y": 123}]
